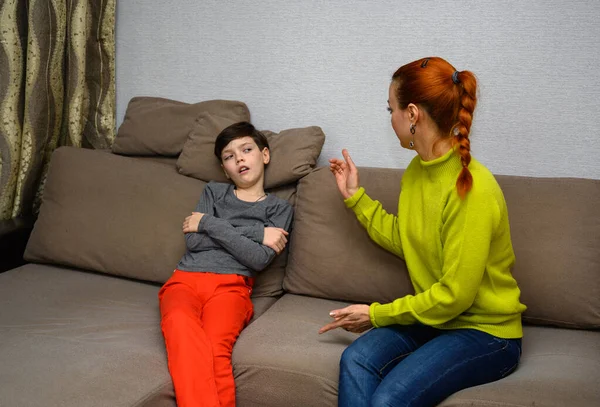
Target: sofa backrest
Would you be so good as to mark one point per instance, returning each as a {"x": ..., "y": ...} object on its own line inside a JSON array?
[
  {"x": 122, "y": 216},
  {"x": 331, "y": 255},
  {"x": 555, "y": 231},
  {"x": 555, "y": 226}
]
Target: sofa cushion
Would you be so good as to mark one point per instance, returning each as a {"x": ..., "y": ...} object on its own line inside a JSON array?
[
  {"x": 555, "y": 227},
  {"x": 83, "y": 339},
  {"x": 122, "y": 216},
  {"x": 281, "y": 360},
  {"x": 559, "y": 367},
  {"x": 157, "y": 126},
  {"x": 555, "y": 231},
  {"x": 164, "y": 395},
  {"x": 73, "y": 338},
  {"x": 331, "y": 255},
  {"x": 282, "y": 348},
  {"x": 294, "y": 152}
]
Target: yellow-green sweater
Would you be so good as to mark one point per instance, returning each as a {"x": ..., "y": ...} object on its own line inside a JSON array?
[{"x": 458, "y": 251}]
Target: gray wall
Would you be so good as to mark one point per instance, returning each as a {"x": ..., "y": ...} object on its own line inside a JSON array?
[{"x": 328, "y": 63}]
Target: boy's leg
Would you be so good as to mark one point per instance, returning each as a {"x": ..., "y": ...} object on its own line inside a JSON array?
[
  {"x": 366, "y": 362},
  {"x": 226, "y": 313},
  {"x": 189, "y": 350},
  {"x": 452, "y": 361}
]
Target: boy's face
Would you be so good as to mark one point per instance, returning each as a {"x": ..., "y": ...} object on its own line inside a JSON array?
[{"x": 243, "y": 161}]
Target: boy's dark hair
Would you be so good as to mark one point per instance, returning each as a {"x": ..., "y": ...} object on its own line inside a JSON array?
[{"x": 239, "y": 130}]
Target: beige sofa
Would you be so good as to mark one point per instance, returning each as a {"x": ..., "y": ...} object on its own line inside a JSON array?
[{"x": 79, "y": 324}]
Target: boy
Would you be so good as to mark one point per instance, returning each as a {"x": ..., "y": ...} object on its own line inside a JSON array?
[{"x": 235, "y": 232}]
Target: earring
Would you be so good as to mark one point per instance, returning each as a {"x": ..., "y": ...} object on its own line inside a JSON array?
[
  {"x": 411, "y": 144},
  {"x": 412, "y": 128}
]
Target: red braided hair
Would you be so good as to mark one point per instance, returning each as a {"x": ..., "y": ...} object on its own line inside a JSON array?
[{"x": 449, "y": 97}]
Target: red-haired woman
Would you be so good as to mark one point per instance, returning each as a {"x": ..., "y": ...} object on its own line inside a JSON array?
[{"x": 462, "y": 327}]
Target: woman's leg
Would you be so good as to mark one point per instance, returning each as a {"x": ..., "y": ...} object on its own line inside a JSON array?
[
  {"x": 189, "y": 350},
  {"x": 226, "y": 313},
  {"x": 372, "y": 356},
  {"x": 452, "y": 361}
]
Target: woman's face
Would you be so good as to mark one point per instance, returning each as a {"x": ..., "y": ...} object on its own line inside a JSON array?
[{"x": 400, "y": 122}]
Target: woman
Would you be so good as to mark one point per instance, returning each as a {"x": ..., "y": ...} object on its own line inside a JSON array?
[{"x": 462, "y": 327}]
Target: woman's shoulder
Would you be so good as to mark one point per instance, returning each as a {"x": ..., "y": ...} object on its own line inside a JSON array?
[
  {"x": 482, "y": 173},
  {"x": 484, "y": 181},
  {"x": 411, "y": 169},
  {"x": 414, "y": 164}
]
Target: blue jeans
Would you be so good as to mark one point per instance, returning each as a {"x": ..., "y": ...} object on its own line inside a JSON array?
[{"x": 417, "y": 365}]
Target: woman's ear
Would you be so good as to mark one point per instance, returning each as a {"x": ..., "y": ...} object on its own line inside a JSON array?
[
  {"x": 413, "y": 113},
  {"x": 266, "y": 155}
]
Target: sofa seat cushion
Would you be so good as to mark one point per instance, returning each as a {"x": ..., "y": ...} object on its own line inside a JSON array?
[
  {"x": 73, "y": 338},
  {"x": 281, "y": 354},
  {"x": 281, "y": 360},
  {"x": 559, "y": 367}
]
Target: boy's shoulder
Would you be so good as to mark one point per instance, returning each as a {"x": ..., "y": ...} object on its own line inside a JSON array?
[
  {"x": 281, "y": 201},
  {"x": 279, "y": 204},
  {"x": 218, "y": 189}
]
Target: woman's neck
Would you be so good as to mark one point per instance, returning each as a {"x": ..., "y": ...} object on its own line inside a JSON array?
[{"x": 430, "y": 144}]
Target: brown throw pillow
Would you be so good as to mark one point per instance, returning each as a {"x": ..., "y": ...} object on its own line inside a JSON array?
[
  {"x": 331, "y": 254},
  {"x": 157, "y": 126},
  {"x": 294, "y": 152}
]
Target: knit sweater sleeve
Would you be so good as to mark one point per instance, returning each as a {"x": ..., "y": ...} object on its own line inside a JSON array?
[
  {"x": 382, "y": 227},
  {"x": 200, "y": 241},
  {"x": 467, "y": 230},
  {"x": 251, "y": 254}
]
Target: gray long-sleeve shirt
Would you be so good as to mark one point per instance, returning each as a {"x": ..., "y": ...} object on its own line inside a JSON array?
[{"x": 230, "y": 234}]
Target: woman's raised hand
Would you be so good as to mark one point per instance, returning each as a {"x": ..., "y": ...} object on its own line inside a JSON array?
[{"x": 346, "y": 174}]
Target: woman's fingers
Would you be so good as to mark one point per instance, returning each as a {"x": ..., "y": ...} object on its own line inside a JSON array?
[
  {"x": 339, "y": 313},
  {"x": 345, "y": 324},
  {"x": 348, "y": 159},
  {"x": 330, "y": 326},
  {"x": 336, "y": 163}
]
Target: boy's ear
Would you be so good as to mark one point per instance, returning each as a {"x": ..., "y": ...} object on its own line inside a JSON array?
[
  {"x": 266, "y": 155},
  {"x": 223, "y": 168}
]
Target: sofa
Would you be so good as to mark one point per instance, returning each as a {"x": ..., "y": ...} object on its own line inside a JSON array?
[{"x": 80, "y": 326}]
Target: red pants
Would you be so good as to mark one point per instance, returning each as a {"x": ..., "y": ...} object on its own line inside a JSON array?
[{"x": 202, "y": 315}]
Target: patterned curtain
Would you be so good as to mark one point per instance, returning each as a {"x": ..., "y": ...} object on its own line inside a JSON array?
[{"x": 57, "y": 88}]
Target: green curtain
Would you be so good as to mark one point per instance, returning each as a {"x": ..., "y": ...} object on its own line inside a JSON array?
[{"x": 57, "y": 88}]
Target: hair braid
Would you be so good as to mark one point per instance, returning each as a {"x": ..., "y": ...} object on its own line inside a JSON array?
[{"x": 468, "y": 101}]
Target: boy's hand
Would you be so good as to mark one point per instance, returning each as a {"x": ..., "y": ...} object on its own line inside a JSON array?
[
  {"x": 346, "y": 174},
  {"x": 354, "y": 318},
  {"x": 190, "y": 224},
  {"x": 275, "y": 238}
]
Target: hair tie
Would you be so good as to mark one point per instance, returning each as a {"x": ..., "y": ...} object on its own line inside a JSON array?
[{"x": 455, "y": 77}]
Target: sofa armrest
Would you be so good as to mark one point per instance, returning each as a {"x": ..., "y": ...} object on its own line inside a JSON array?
[{"x": 14, "y": 234}]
